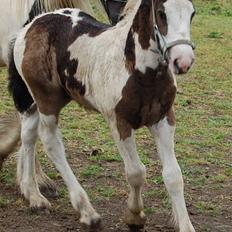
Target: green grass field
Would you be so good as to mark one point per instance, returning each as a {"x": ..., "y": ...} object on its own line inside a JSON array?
[{"x": 203, "y": 135}]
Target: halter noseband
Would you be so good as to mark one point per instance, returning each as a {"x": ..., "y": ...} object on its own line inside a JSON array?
[{"x": 163, "y": 46}]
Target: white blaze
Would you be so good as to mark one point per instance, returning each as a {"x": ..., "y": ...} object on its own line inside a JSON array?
[{"x": 179, "y": 14}]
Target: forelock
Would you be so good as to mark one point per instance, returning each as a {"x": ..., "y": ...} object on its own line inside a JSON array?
[{"x": 173, "y": 4}]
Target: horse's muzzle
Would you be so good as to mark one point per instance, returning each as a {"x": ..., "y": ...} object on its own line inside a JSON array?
[{"x": 181, "y": 59}]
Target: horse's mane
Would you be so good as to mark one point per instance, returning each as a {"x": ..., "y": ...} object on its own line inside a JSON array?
[
  {"x": 21, "y": 6},
  {"x": 85, "y": 5}
]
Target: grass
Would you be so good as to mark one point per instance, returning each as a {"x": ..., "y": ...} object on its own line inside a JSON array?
[
  {"x": 3, "y": 202},
  {"x": 204, "y": 126},
  {"x": 206, "y": 207},
  {"x": 92, "y": 171}
]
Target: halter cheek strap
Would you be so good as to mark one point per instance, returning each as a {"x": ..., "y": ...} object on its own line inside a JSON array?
[{"x": 163, "y": 46}]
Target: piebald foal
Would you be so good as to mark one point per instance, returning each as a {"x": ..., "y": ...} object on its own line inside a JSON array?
[
  {"x": 15, "y": 14},
  {"x": 124, "y": 72}
]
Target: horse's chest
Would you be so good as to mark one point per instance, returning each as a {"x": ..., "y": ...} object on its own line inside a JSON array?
[{"x": 146, "y": 98}]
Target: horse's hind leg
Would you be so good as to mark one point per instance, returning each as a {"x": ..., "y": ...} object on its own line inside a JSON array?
[
  {"x": 51, "y": 138},
  {"x": 46, "y": 186},
  {"x": 26, "y": 161}
]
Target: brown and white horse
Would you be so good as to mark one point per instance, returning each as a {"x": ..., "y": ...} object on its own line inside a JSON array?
[
  {"x": 16, "y": 14},
  {"x": 126, "y": 72}
]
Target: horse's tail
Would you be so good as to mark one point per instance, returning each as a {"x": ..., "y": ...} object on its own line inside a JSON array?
[
  {"x": 16, "y": 86},
  {"x": 9, "y": 135}
]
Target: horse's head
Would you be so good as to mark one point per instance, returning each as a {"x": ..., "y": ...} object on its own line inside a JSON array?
[{"x": 173, "y": 19}]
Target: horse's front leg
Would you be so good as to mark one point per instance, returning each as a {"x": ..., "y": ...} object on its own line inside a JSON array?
[
  {"x": 164, "y": 136},
  {"x": 135, "y": 172}
]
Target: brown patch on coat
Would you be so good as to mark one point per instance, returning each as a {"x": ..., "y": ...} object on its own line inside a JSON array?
[
  {"x": 160, "y": 17},
  {"x": 143, "y": 21},
  {"x": 89, "y": 25},
  {"x": 74, "y": 88},
  {"x": 40, "y": 73},
  {"x": 142, "y": 24},
  {"x": 171, "y": 117},
  {"x": 47, "y": 67},
  {"x": 146, "y": 99},
  {"x": 130, "y": 52},
  {"x": 124, "y": 127}
]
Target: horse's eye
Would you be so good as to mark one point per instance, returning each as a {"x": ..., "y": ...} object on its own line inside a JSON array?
[{"x": 162, "y": 15}]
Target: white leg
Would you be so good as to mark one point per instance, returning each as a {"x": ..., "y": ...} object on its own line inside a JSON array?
[
  {"x": 164, "y": 136},
  {"x": 26, "y": 162},
  {"x": 135, "y": 173},
  {"x": 20, "y": 165},
  {"x": 51, "y": 138},
  {"x": 46, "y": 185}
]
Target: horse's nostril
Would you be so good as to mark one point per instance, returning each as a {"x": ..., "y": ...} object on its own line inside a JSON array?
[
  {"x": 176, "y": 62},
  {"x": 176, "y": 65},
  {"x": 182, "y": 65}
]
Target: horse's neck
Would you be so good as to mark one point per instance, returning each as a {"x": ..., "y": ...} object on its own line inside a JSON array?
[
  {"x": 140, "y": 40},
  {"x": 129, "y": 14}
]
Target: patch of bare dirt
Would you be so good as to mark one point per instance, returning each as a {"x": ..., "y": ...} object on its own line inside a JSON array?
[{"x": 16, "y": 216}]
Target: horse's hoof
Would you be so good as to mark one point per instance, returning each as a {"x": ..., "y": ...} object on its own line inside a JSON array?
[
  {"x": 95, "y": 225},
  {"x": 136, "y": 228},
  {"x": 49, "y": 190},
  {"x": 91, "y": 221},
  {"x": 134, "y": 221},
  {"x": 47, "y": 186},
  {"x": 39, "y": 204}
]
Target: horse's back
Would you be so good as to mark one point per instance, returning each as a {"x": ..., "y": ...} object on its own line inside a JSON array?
[
  {"x": 43, "y": 58},
  {"x": 57, "y": 31}
]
